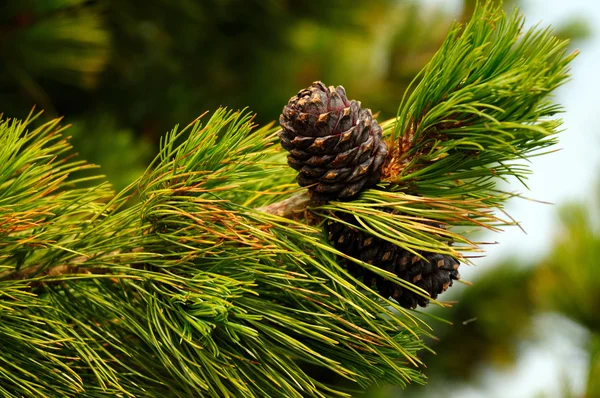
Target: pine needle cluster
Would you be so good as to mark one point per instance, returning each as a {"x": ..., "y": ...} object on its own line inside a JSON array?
[{"x": 196, "y": 290}]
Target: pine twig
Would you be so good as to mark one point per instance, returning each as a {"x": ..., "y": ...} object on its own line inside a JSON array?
[
  {"x": 225, "y": 300},
  {"x": 287, "y": 208}
]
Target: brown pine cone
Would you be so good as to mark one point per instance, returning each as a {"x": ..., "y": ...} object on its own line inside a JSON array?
[
  {"x": 434, "y": 273},
  {"x": 334, "y": 144}
]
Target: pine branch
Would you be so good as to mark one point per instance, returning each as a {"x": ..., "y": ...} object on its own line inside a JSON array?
[
  {"x": 247, "y": 294},
  {"x": 481, "y": 107},
  {"x": 295, "y": 204},
  {"x": 234, "y": 293},
  {"x": 288, "y": 208},
  {"x": 479, "y": 110}
]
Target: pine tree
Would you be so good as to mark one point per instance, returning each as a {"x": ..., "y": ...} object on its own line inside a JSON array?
[{"x": 211, "y": 274}]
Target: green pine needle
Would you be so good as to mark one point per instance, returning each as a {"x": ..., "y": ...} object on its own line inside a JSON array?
[
  {"x": 481, "y": 107},
  {"x": 193, "y": 291}
]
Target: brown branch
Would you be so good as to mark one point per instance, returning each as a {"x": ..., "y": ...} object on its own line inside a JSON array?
[
  {"x": 72, "y": 267},
  {"x": 290, "y": 207}
]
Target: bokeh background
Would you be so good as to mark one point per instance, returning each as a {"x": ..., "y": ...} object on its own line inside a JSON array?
[{"x": 125, "y": 72}]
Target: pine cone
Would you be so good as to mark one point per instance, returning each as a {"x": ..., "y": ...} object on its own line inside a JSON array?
[
  {"x": 434, "y": 273},
  {"x": 334, "y": 144}
]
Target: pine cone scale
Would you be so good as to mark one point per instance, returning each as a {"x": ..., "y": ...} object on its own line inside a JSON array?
[
  {"x": 317, "y": 161},
  {"x": 344, "y": 158}
]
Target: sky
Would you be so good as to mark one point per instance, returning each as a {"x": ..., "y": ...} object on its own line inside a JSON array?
[{"x": 556, "y": 357}]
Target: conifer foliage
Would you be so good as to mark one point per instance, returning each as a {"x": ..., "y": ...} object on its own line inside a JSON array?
[{"x": 209, "y": 277}]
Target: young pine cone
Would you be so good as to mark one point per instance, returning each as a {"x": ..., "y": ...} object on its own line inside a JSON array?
[
  {"x": 433, "y": 273},
  {"x": 334, "y": 144}
]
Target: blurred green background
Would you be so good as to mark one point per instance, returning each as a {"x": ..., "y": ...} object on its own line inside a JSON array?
[{"x": 124, "y": 72}]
